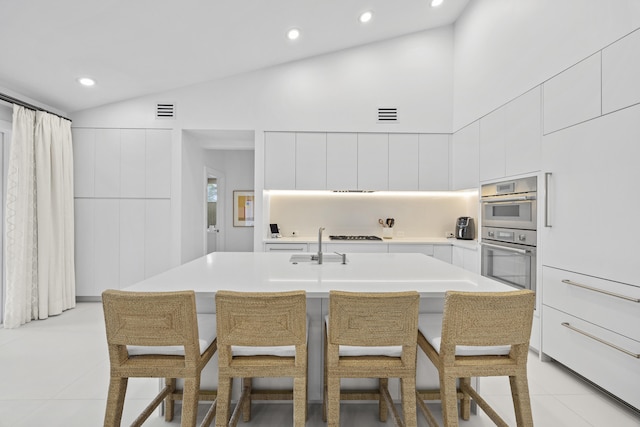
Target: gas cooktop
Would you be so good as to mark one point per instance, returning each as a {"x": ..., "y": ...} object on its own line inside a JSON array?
[{"x": 355, "y": 238}]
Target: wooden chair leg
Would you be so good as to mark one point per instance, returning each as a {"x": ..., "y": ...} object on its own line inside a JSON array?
[
  {"x": 449, "y": 399},
  {"x": 223, "y": 401},
  {"x": 333, "y": 402},
  {"x": 115, "y": 401},
  {"x": 190, "y": 401},
  {"x": 247, "y": 385},
  {"x": 521, "y": 400},
  {"x": 169, "y": 401},
  {"x": 383, "y": 411},
  {"x": 465, "y": 402},
  {"x": 299, "y": 402},
  {"x": 408, "y": 391}
]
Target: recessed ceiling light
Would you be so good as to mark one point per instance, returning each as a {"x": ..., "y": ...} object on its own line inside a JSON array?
[
  {"x": 86, "y": 81},
  {"x": 366, "y": 16},
  {"x": 293, "y": 34},
  {"x": 436, "y": 3}
]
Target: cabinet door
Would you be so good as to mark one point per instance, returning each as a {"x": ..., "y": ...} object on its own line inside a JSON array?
[
  {"x": 84, "y": 153},
  {"x": 342, "y": 161},
  {"x": 620, "y": 71},
  {"x": 523, "y": 133},
  {"x": 573, "y": 96},
  {"x": 158, "y": 164},
  {"x": 411, "y": 248},
  {"x": 593, "y": 197},
  {"x": 403, "y": 161},
  {"x": 442, "y": 252},
  {"x": 433, "y": 169},
  {"x": 157, "y": 232},
  {"x": 132, "y": 217},
  {"x": 107, "y": 245},
  {"x": 107, "y": 163},
  {"x": 492, "y": 145},
  {"x": 84, "y": 218},
  {"x": 311, "y": 161},
  {"x": 132, "y": 162},
  {"x": 280, "y": 161},
  {"x": 465, "y": 149},
  {"x": 373, "y": 161}
]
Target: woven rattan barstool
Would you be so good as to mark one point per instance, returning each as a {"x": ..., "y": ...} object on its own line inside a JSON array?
[
  {"x": 261, "y": 334},
  {"x": 480, "y": 334},
  {"x": 158, "y": 335},
  {"x": 371, "y": 335}
]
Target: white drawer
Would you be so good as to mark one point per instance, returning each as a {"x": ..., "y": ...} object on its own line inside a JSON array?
[
  {"x": 285, "y": 247},
  {"x": 565, "y": 291},
  {"x": 611, "y": 369}
]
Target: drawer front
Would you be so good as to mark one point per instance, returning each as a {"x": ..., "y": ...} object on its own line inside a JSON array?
[
  {"x": 605, "y": 303},
  {"x": 285, "y": 247},
  {"x": 610, "y": 368}
]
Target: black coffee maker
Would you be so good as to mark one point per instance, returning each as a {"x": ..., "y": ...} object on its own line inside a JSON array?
[{"x": 465, "y": 230}]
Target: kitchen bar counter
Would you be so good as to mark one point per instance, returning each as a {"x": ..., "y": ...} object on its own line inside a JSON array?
[{"x": 468, "y": 244}]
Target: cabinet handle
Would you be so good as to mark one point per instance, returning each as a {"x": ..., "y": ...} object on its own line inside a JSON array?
[
  {"x": 286, "y": 249},
  {"x": 547, "y": 210},
  {"x": 600, "y": 340},
  {"x": 612, "y": 294}
]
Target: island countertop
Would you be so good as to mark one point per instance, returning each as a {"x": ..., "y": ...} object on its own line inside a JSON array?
[{"x": 364, "y": 272}]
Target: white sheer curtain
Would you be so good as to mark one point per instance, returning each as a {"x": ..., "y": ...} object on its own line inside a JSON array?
[{"x": 40, "y": 277}]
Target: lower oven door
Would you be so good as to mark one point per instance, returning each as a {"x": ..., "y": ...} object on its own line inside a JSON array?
[{"x": 512, "y": 264}]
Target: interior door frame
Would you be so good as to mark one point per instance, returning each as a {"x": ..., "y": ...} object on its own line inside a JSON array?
[{"x": 220, "y": 208}]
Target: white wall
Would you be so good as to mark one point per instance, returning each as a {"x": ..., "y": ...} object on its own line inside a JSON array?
[{"x": 503, "y": 48}]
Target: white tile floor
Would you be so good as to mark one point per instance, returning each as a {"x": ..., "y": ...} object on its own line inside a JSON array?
[{"x": 55, "y": 373}]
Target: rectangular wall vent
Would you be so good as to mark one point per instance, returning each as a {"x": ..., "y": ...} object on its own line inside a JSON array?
[
  {"x": 386, "y": 115},
  {"x": 165, "y": 111}
]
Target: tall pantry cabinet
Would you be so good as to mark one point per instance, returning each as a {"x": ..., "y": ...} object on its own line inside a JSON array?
[
  {"x": 122, "y": 190},
  {"x": 590, "y": 151}
]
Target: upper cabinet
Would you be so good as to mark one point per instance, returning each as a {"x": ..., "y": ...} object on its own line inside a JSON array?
[
  {"x": 373, "y": 161},
  {"x": 620, "y": 71},
  {"x": 573, "y": 96},
  {"x": 465, "y": 147},
  {"x": 510, "y": 138},
  {"x": 356, "y": 161}
]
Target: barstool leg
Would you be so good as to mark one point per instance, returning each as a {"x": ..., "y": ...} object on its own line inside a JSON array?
[
  {"x": 190, "y": 401},
  {"x": 247, "y": 385},
  {"x": 449, "y": 399},
  {"x": 521, "y": 400},
  {"x": 224, "y": 399},
  {"x": 408, "y": 391},
  {"x": 383, "y": 411},
  {"x": 115, "y": 401},
  {"x": 465, "y": 402}
]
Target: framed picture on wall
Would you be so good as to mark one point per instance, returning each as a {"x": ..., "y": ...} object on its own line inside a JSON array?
[{"x": 243, "y": 208}]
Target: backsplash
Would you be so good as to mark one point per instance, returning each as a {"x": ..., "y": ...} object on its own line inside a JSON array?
[{"x": 416, "y": 214}]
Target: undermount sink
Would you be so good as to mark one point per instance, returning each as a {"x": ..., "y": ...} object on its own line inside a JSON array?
[{"x": 295, "y": 258}]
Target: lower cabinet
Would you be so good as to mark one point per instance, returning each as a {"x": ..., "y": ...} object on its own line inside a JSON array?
[
  {"x": 441, "y": 252},
  {"x": 465, "y": 258},
  {"x": 286, "y": 247},
  {"x": 590, "y": 326}
]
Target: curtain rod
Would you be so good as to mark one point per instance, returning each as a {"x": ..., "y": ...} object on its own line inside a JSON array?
[{"x": 12, "y": 100}]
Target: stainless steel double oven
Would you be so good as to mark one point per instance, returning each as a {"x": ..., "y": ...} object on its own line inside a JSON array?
[{"x": 509, "y": 232}]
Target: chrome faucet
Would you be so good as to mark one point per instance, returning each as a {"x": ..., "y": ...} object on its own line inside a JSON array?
[{"x": 320, "y": 245}]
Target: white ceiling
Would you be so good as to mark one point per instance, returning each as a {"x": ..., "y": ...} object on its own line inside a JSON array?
[{"x": 138, "y": 47}]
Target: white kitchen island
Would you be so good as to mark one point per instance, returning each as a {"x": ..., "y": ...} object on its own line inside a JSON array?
[{"x": 270, "y": 272}]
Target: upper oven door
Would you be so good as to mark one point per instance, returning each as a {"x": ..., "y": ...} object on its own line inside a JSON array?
[{"x": 510, "y": 212}]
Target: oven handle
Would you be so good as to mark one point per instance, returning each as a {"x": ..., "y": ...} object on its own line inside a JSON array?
[
  {"x": 495, "y": 199},
  {"x": 506, "y": 248}
]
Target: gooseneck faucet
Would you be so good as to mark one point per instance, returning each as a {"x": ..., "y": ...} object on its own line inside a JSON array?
[{"x": 320, "y": 245}]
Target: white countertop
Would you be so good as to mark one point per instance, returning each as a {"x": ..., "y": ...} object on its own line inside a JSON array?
[
  {"x": 268, "y": 271},
  {"x": 469, "y": 244}
]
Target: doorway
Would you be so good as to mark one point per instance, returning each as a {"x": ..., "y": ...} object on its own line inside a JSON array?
[{"x": 215, "y": 208}]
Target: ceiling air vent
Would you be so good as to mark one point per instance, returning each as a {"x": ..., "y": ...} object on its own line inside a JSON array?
[
  {"x": 165, "y": 111},
  {"x": 387, "y": 115}
]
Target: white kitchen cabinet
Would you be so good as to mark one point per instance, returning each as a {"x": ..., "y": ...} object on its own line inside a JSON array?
[
  {"x": 465, "y": 258},
  {"x": 342, "y": 161},
  {"x": 84, "y": 153},
  {"x": 158, "y": 164},
  {"x": 311, "y": 161},
  {"x": 373, "y": 161},
  {"x": 523, "y": 134},
  {"x": 347, "y": 248},
  {"x": 620, "y": 71},
  {"x": 591, "y": 213},
  {"x": 106, "y": 245},
  {"x": 399, "y": 248},
  {"x": 84, "y": 217},
  {"x": 573, "y": 96},
  {"x": 157, "y": 231},
  {"x": 492, "y": 145},
  {"x": 443, "y": 253},
  {"x": 286, "y": 247},
  {"x": 280, "y": 160},
  {"x": 465, "y": 151},
  {"x": 131, "y": 241},
  {"x": 404, "y": 161},
  {"x": 132, "y": 162},
  {"x": 107, "y": 163},
  {"x": 433, "y": 162}
]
